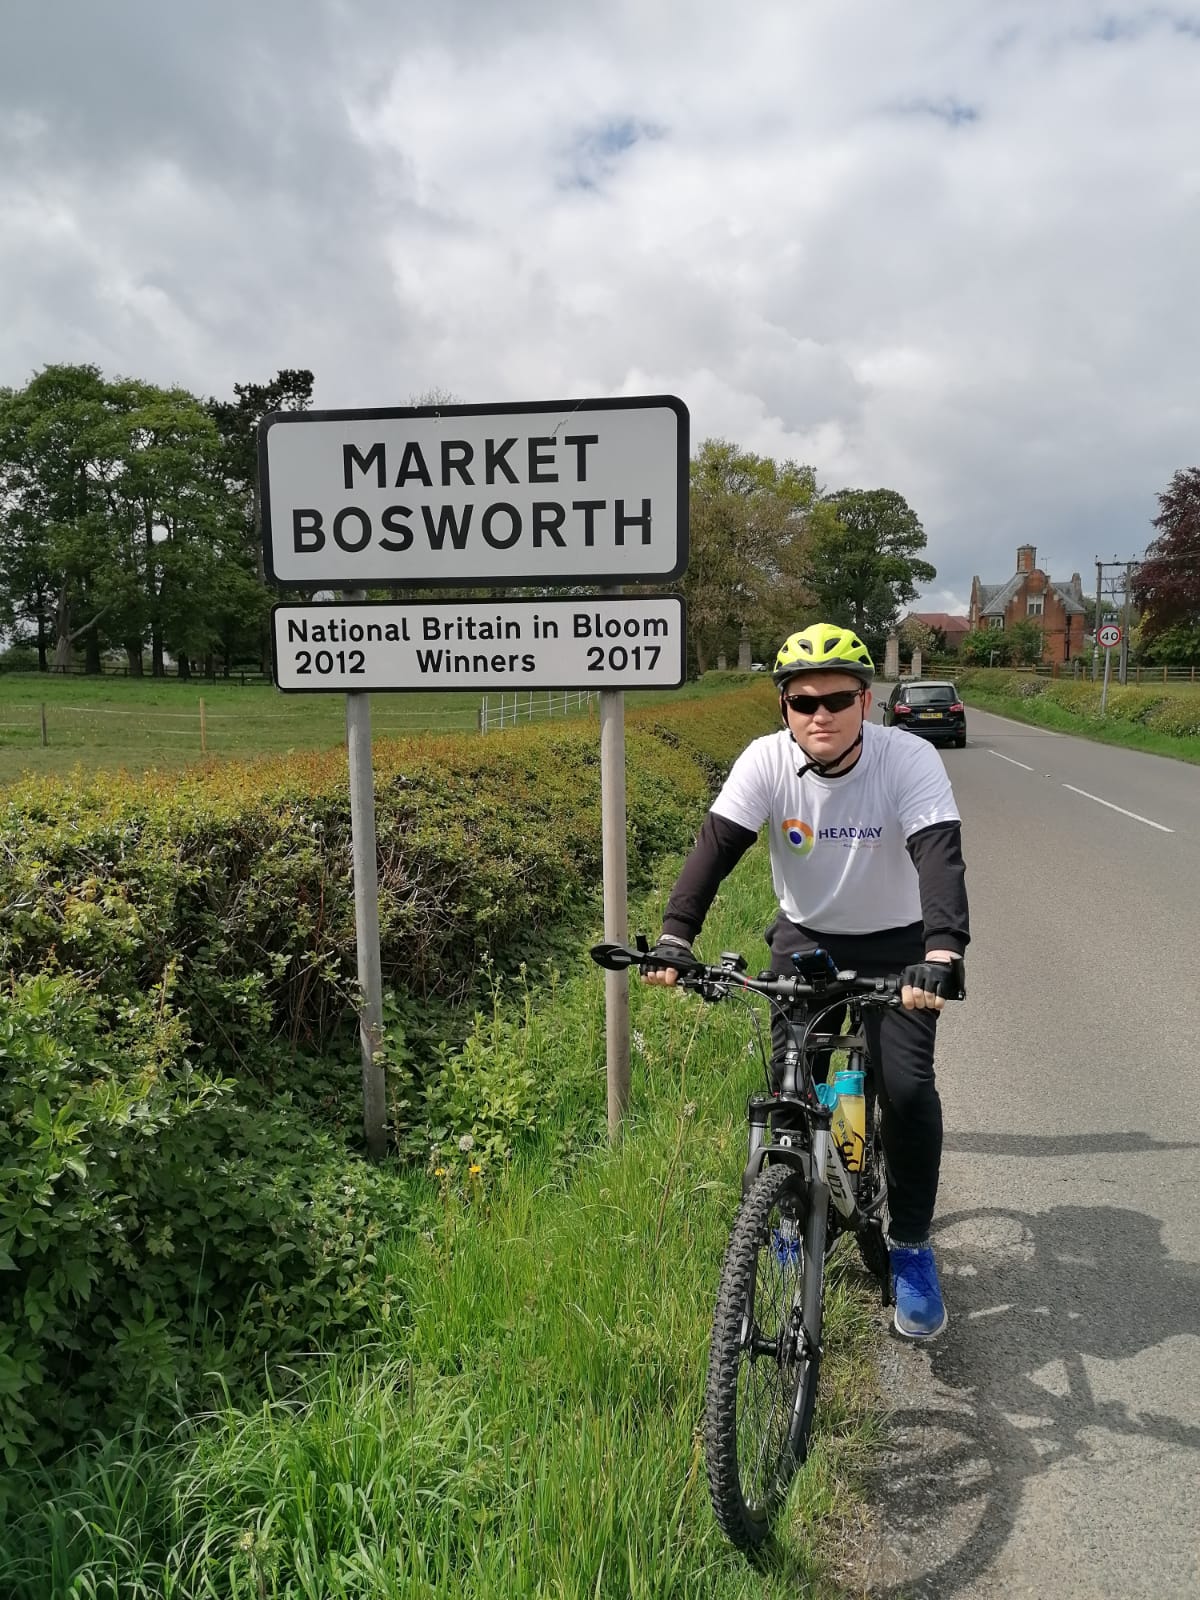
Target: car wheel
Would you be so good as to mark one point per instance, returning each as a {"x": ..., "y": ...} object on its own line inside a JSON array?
[{"x": 960, "y": 741}]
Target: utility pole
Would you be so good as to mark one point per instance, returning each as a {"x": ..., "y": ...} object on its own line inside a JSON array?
[
  {"x": 1096, "y": 622},
  {"x": 1101, "y": 567},
  {"x": 1128, "y": 619}
]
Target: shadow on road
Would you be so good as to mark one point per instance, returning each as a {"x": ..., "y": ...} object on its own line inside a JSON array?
[
  {"x": 1033, "y": 1297},
  {"x": 1061, "y": 1144}
]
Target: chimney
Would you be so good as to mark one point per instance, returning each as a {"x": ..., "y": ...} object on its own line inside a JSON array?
[{"x": 1026, "y": 557}]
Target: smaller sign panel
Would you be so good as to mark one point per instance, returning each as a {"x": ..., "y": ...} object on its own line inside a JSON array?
[
  {"x": 1109, "y": 635},
  {"x": 594, "y": 642}
]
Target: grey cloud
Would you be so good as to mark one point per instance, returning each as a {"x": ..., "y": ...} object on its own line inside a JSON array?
[{"x": 946, "y": 249}]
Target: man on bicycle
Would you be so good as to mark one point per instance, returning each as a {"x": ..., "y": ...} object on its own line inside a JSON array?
[{"x": 866, "y": 858}]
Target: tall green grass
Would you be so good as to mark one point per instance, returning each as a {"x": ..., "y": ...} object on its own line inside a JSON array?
[
  {"x": 523, "y": 1418},
  {"x": 1160, "y": 720}
]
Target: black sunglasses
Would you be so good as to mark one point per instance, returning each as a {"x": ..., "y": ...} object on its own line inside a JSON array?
[{"x": 807, "y": 704}]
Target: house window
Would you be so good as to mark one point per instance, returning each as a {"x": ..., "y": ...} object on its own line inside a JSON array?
[
  {"x": 996, "y": 622},
  {"x": 1033, "y": 606}
]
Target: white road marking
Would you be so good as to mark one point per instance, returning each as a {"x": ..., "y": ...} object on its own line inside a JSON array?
[
  {"x": 1013, "y": 759},
  {"x": 1162, "y": 828}
]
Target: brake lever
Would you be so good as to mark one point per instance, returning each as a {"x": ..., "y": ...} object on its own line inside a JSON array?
[{"x": 615, "y": 957}]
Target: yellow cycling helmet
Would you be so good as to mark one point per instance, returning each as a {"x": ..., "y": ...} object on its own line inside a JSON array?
[{"x": 823, "y": 647}]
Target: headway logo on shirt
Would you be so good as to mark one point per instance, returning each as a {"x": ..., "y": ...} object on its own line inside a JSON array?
[
  {"x": 798, "y": 836},
  {"x": 848, "y": 835}
]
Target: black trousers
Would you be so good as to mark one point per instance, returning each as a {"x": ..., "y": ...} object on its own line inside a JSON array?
[{"x": 901, "y": 1044}]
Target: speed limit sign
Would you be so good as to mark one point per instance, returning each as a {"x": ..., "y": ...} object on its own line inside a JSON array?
[{"x": 1109, "y": 635}]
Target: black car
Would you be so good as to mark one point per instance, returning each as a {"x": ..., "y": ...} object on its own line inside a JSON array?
[{"x": 928, "y": 706}]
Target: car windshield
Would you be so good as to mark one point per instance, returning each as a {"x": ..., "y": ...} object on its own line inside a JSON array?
[{"x": 929, "y": 694}]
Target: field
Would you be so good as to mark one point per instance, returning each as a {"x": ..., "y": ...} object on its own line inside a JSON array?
[{"x": 121, "y": 723}]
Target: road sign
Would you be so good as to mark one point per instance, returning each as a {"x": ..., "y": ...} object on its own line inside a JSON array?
[
  {"x": 598, "y": 642},
  {"x": 550, "y": 492},
  {"x": 1109, "y": 635}
]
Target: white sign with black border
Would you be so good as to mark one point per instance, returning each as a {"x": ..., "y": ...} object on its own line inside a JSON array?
[
  {"x": 593, "y": 642},
  {"x": 545, "y": 492}
]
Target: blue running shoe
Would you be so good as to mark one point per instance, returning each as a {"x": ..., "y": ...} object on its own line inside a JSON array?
[{"x": 920, "y": 1310}]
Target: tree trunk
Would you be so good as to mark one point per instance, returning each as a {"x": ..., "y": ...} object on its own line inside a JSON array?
[
  {"x": 133, "y": 649},
  {"x": 62, "y": 630},
  {"x": 91, "y": 652},
  {"x": 157, "y": 665},
  {"x": 42, "y": 634},
  {"x": 185, "y": 666}
]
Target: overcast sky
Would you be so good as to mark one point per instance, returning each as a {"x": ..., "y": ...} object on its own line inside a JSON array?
[{"x": 947, "y": 247}]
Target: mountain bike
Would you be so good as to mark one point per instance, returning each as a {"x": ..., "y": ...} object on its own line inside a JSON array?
[{"x": 800, "y": 1193}]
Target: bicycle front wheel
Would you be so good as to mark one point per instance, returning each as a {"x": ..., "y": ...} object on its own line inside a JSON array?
[{"x": 763, "y": 1363}]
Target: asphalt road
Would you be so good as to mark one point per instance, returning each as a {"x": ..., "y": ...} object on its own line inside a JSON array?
[{"x": 1049, "y": 1442}]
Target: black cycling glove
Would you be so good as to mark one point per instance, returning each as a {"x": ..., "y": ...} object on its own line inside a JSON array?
[
  {"x": 947, "y": 978},
  {"x": 669, "y": 952}
]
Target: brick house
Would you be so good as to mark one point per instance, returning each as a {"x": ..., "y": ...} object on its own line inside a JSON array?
[{"x": 1057, "y": 608}]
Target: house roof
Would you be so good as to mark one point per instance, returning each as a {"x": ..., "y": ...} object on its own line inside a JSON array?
[
  {"x": 999, "y": 595},
  {"x": 947, "y": 621},
  {"x": 1071, "y": 602},
  {"x": 994, "y": 599}
]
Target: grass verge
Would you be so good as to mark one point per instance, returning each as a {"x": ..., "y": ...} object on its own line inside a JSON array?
[
  {"x": 521, "y": 1417},
  {"x": 1042, "y": 713}
]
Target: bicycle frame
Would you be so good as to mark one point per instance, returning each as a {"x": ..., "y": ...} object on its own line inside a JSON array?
[{"x": 817, "y": 1156}]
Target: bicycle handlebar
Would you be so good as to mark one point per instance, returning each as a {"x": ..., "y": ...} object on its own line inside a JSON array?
[{"x": 714, "y": 982}]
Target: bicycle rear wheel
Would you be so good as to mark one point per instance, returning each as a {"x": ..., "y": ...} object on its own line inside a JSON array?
[
  {"x": 763, "y": 1365},
  {"x": 872, "y": 1198}
]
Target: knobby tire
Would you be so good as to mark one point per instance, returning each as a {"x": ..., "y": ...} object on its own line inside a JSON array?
[
  {"x": 762, "y": 1386},
  {"x": 872, "y": 1244}
]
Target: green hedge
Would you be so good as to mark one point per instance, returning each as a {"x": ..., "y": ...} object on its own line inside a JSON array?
[
  {"x": 1163, "y": 708},
  {"x": 169, "y": 1204},
  {"x": 233, "y": 888}
]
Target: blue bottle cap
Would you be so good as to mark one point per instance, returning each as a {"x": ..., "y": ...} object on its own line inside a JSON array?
[{"x": 827, "y": 1095}]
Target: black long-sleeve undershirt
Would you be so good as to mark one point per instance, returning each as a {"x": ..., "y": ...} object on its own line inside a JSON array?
[{"x": 936, "y": 852}]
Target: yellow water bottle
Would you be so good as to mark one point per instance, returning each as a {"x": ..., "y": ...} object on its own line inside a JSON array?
[{"x": 849, "y": 1126}]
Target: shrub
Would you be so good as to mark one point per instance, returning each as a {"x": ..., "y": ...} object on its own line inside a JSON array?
[
  {"x": 147, "y": 1214},
  {"x": 170, "y": 1208}
]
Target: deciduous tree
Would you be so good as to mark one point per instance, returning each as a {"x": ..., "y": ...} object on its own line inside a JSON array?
[
  {"x": 747, "y": 538},
  {"x": 1166, "y": 587},
  {"x": 56, "y": 460},
  {"x": 862, "y": 559}
]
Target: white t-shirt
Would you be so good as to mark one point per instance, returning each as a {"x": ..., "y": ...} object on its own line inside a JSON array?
[{"x": 837, "y": 844}]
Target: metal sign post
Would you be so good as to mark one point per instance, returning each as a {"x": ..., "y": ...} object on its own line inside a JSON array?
[
  {"x": 1109, "y": 637},
  {"x": 541, "y": 494},
  {"x": 616, "y": 904},
  {"x": 366, "y": 913}
]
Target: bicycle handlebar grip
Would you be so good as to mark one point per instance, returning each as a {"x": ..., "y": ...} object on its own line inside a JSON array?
[{"x": 614, "y": 957}]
